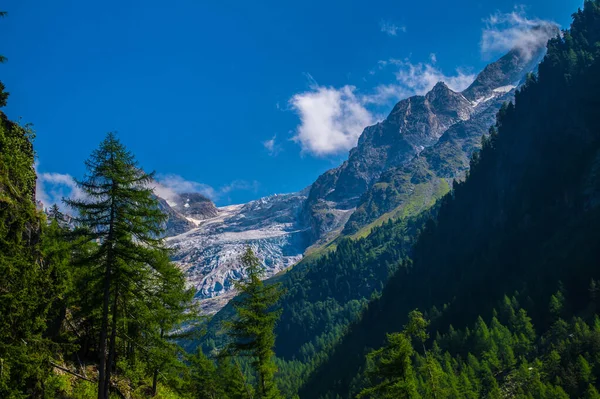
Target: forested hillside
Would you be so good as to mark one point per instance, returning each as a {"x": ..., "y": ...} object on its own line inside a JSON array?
[
  {"x": 524, "y": 224},
  {"x": 492, "y": 291}
]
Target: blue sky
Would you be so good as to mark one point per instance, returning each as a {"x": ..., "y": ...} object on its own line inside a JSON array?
[{"x": 236, "y": 99}]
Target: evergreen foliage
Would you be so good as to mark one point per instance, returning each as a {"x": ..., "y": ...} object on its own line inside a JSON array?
[
  {"x": 143, "y": 294},
  {"x": 252, "y": 329},
  {"x": 504, "y": 269},
  {"x": 528, "y": 216}
]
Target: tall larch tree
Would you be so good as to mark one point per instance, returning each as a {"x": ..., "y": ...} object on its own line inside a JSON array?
[
  {"x": 252, "y": 330},
  {"x": 120, "y": 213}
]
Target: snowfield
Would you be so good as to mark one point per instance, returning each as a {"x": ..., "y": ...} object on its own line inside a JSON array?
[{"x": 209, "y": 253}]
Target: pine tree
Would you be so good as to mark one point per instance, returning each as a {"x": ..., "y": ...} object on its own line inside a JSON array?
[
  {"x": 54, "y": 214},
  {"x": 252, "y": 331},
  {"x": 169, "y": 308},
  {"x": 232, "y": 379},
  {"x": 122, "y": 216},
  {"x": 205, "y": 383},
  {"x": 391, "y": 373}
]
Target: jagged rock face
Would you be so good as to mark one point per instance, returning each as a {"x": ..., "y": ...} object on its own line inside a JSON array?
[
  {"x": 194, "y": 206},
  {"x": 510, "y": 69},
  {"x": 415, "y": 125},
  {"x": 185, "y": 211},
  {"x": 176, "y": 223},
  {"x": 209, "y": 254},
  {"x": 413, "y": 187}
]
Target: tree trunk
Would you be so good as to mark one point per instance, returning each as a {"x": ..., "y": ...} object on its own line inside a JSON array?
[
  {"x": 102, "y": 377},
  {"x": 102, "y": 394},
  {"x": 155, "y": 376},
  {"x": 113, "y": 338},
  {"x": 154, "y": 382}
]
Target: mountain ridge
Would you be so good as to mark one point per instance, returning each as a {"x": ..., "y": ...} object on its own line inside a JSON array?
[{"x": 399, "y": 165}]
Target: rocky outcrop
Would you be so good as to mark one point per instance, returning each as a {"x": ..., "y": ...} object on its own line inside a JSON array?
[{"x": 442, "y": 127}]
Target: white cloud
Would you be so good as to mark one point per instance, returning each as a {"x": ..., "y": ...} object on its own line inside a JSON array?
[
  {"x": 271, "y": 146},
  {"x": 169, "y": 186},
  {"x": 51, "y": 188},
  {"x": 390, "y": 28},
  {"x": 414, "y": 79},
  {"x": 331, "y": 120},
  {"x": 514, "y": 30},
  {"x": 240, "y": 185}
]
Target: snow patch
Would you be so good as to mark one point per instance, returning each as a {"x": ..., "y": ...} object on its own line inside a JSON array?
[
  {"x": 504, "y": 89},
  {"x": 482, "y": 100}
]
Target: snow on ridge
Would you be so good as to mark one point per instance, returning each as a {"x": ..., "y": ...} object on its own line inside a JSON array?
[
  {"x": 504, "y": 89},
  {"x": 482, "y": 100}
]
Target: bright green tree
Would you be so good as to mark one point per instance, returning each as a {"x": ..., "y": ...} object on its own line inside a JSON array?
[
  {"x": 205, "y": 383},
  {"x": 252, "y": 330},
  {"x": 390, "y": 373}
]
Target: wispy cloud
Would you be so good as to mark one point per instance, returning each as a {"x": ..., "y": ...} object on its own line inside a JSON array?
[
  {"x": 272, "y": 147},
  {"x": 240, "y": 185},
  {"x": 416, "y": 78},
  {"x": 169, "y": 187},
  {"x": 331, "y": 120},
  {"x": 506, "y": 31},
  {"x": 390, "y": 28},
  {"x": 51, "y": 188}
]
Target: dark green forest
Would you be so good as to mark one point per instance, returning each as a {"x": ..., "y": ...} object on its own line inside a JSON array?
[
  {"x": 493, "y": 292},
  {"x": 523, "y": 223}
]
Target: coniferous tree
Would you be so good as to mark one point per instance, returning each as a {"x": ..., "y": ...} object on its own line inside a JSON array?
[
  {"x": 252, "y": 330},
  {"x": 205, "y": 383},
  {"x": 233, "y": 379},
  {"x": 391, "y": 374},
  {"x": 122, "y": 216},
  {"x": 170, "y": 308}
]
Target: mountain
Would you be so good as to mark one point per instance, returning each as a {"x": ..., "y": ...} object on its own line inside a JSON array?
[
  {"x": 208, "y": 251},
  {"x": 407, "y": 171},
  {"x": 413, "y": 187},
  {"x": 194, "y": 206},
  {"x": 524, "y": 225},
  {"x": 399, "y": 168},
  {"x": 390, "y": 162}
]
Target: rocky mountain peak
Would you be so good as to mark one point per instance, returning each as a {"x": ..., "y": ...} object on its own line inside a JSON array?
[
  {"x": 511, "y": 68},
  {"x": 446, "y": 102},
  {"x": 194, "y": 206},
  {"x": 440, "y": 87}
]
